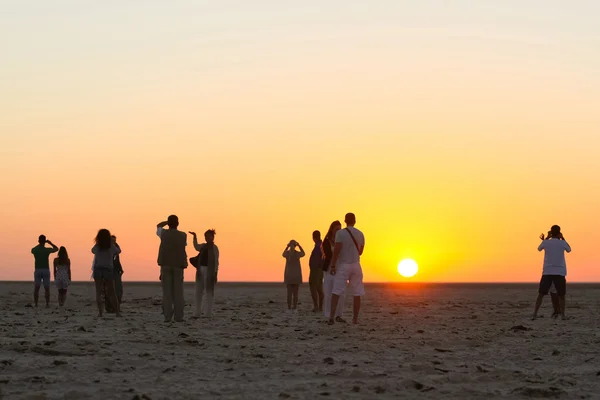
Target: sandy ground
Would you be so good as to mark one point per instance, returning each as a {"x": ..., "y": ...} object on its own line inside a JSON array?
[{"x": 415, "y": 341}]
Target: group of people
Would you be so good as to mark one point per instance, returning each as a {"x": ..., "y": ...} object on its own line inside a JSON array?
[
  {"x": 334, "y": 264},
  {"x": 106, "y": 271}
]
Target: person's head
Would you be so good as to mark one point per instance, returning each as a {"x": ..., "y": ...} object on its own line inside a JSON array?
[
  {"x": 292, "y": 245},
  {"x": 333, "y": 228},
  {"x": 209, "y": 236},
  {"x": 42, "y": 239},
  {"x": 113, "y": 239},
  {"x": 555, "y": 231},
  {"x": 317, "y": 236},
  {"x": 103, "y": 239},
  {"x": 173, "y": 221},
  {"x": 63, "y": 256},
  {"x": 350, "y": 219}
]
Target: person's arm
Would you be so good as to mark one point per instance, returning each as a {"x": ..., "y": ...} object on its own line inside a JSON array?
[
  {"x": 160, "y": 226},
  {"x": 197, "y": 245},
  {"x": 116, "y": 249},
  {"x": 69, "y": 268},
  {"x": 95, "y": 249},
  {"x": 541, "y": 246},
  {"x": 301, "y": 253},
  {"x": 336, "y": 253},
  {"x": 567, "y": 247},
  {"x": 362, "y": 246},
  {"x": 54, "y": 247},
  {"x": 55, "y": 262},
  {"x": 285, "y": 252}
]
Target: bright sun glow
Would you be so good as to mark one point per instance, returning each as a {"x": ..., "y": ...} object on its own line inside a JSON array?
[{"x": 408, "y": 268}]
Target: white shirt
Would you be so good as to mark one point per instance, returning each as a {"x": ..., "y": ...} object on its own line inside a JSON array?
[
  {"x": 554, "y": 256},
  {"x": 349, "y": 253}
]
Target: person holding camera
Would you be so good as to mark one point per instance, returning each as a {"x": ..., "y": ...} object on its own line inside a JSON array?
[
  {"x": 207, "y": 269},
  {"x": 292, "y": 276},
  {"x": 554, "y": 270}
]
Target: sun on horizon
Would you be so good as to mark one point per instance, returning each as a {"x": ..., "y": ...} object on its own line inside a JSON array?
[{"x": 408, "y": 268}]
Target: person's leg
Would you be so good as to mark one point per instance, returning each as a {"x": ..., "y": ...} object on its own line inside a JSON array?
[
  {"x": 555, "y": 304},
  {"x": 320, "y": 294},
  {"x": 64, "y": 299},
  {"x": 111, "y": 293},
  {"x": 561, "y": 287},
  {"x": 167, "y": 286},
  {"x": 99, "y": 288},
  {"x": 178, "y": 298},
  {"x": 295, "y": 290},
  {"x": 199, "y": 292},
  {"x": 209, "y": 293},
  {"x": 327, "y": 288},
  {"x": 37, "y": 282},
  {"x": 313, "y": 290},
  {"x": 339, "y": 312},
  {"x": 118, "y": 286},
  {"x": 46, "y": 279},
  {"x": 339, "y": 288},
  {"x": 358, "y": 289},
  {"x": 545, "y": 284},
  {"x": 289, "y": 296}
]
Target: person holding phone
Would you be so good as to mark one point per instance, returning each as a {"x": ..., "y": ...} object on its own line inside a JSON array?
[{"x": 41, "y": 273}]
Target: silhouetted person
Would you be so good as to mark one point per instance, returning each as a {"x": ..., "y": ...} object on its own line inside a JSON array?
[
  {"x": 555, "y": 269},
  {"x": 172, "y": 259},
  {"x": 327, "y": 249},
  {"x": 41, "y": 273},
  {"x": 292, "y": 276},
  {"x": 315, "y": 279},
  {"x": 104, "y": 275},
  {"x": 118, "y": 274},
  {"x": 207, "y": 271},
  {"x": 62, "y": 274},
  {"x": 345, "y": 265}
]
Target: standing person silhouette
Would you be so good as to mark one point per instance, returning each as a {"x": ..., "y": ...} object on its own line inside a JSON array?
[
  {"x": 206, "y": 273},
  {"x": 345, "y": 265},
  {"x": 62, "y": 274},
  {"x": 555, "y": 269},
  {"x": 327, "y": 249},
  {"x": 315, "y": 279},
  {"x": 118, "y": 273},
  {"x": 41, "y": 273},
  {"x": 104, "y": 252},
  {"x": 172, "y": 259},
  {"x": 292, "y": 276}
]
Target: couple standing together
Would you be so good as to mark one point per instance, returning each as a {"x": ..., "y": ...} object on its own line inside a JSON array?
[
  {"x": 172, "y": 259},
  {"x": 338, "y": 265}
]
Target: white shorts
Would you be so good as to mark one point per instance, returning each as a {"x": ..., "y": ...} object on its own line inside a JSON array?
[{"x": 352, "y": 273}]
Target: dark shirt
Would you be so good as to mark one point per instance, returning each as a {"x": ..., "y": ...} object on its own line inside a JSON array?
[
  {"x": 203, "y": 258},
  {"x": 316, "y": 258}
]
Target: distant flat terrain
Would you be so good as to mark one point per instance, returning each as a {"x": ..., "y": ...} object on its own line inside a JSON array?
[{"x": 437, "y": 341}]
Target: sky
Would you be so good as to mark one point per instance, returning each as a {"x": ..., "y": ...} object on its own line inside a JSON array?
[{"x": 457, "y": 132}]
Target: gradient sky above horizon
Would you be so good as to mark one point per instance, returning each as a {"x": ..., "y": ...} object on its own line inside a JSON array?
[{"x": 456, "y": 131}]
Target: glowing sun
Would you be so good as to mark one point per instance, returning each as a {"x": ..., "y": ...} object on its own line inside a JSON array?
[{"x": 408, "y": 268}]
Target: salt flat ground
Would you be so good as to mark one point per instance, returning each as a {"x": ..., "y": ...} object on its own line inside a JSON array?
[{"x": 438, "y": 341}]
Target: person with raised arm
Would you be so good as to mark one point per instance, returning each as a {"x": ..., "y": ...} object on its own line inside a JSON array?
[
  {"x": 41, "y": 273},
  {"x": 292, "y": 276},
  {"x": 172, "y": 259},
  {"x": 554, "y": 271},
  {"x": 345, "y": 265},
  {"x": 207, "y": 269}
]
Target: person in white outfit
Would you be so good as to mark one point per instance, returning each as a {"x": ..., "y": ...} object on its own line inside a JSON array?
[
  {"x": 206, "y": 273},
  {"x": 345, "y": 266},
  {"x": 328, "y": 245}
]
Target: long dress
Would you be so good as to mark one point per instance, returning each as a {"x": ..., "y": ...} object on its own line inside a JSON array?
[
  {"x": 328, "y": 280},
  {"x": 293, "y": 270},
  {"x": 61, "y": 277}
]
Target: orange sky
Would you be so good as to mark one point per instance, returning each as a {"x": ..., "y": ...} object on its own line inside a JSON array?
[{"x": 456, "y": 136}]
